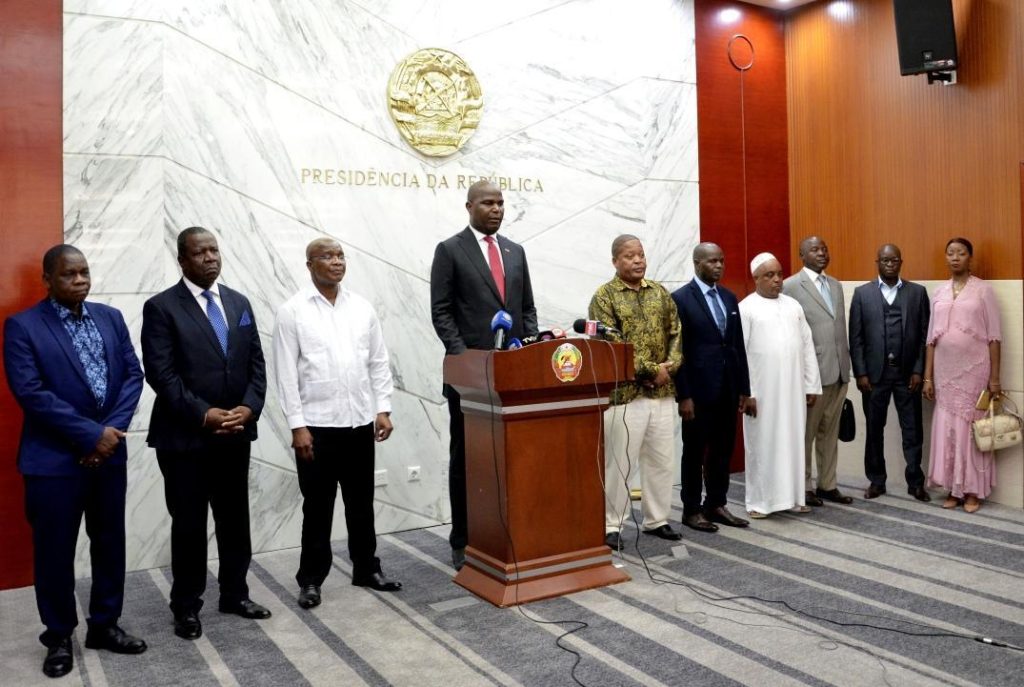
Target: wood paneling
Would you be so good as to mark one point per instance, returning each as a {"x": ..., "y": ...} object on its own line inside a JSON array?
[
  {"x": 30, "y": 217},
  {"x": 722, "y": 116},
  {"x": 876, "y": 157}
]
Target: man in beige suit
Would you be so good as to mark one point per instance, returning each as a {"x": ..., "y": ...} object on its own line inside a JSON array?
[{"x": 821, "y": 297}]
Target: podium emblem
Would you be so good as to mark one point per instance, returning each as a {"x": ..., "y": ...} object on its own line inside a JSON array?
[
  {"x": 435, "y": 101},
  {"x": 567, "y": 361}
]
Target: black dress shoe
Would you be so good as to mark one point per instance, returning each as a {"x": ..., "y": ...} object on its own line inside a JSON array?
[
  {"x": 664, "y": 532},
  {"x": 874, "y": 491},
  {"x": 613, "y": 541},
  {"x": 247, "y": 608},
  {"x": 59, "y": 659},
  {"x": 187, "y": 625},
  {"x": 722, "y": 516},
  {"x": 458, "y": 558},
  {"x": 377, "y": 581},
  {"x": 113, "y": 638},
  {"x": 309, "y": 596},
  {"x": 919, "y": 493},
  {"x": 697, "y": 521},
  {"x": 811, "y": 499},
  {"x": 834, "y": 495}
]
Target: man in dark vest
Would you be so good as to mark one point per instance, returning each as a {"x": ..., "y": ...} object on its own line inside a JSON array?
[{"x": 888, "y": 330}]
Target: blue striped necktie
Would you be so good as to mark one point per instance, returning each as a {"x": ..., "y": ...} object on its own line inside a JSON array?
[{"x": 220, "y": 326}]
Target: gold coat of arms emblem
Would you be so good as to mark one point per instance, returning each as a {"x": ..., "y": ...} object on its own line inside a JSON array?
[{"x": 435, "y": 101}]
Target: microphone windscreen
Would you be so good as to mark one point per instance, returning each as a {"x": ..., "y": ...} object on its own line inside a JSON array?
[
  {"x": 579, "y": 326},
  {"x": 501, "y": 320}
]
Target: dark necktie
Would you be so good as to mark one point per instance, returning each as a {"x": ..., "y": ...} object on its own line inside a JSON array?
[
  {"x": 496, "y": 270},
  {"x": 716, "y": 309},
  {"x": 220, "y": 326}
]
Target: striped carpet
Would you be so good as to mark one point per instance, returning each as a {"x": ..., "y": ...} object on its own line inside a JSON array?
[{"x": 687, "y": 618}]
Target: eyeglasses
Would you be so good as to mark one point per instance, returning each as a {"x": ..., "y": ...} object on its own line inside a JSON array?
[
  {"x": 328, "y": 257},
  {"x": 890, "y": 261}
]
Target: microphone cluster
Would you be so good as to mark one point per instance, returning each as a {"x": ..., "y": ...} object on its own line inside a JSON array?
[{"x": 501, "y": 325}]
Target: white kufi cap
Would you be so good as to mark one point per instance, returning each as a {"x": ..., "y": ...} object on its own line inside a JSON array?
[{"x": 760, "y": 259}]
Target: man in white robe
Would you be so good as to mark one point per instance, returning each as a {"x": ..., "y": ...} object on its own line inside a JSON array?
[{"x": 784, "y": 381}]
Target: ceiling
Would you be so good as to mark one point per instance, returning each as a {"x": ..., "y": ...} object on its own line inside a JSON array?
[{"x": 779, "y": 4}]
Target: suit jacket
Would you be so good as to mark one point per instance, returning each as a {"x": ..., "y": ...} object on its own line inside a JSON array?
[
  {"x": 712, "y": 363},
  {"x": 189, "y": 372},
  {"x": 827, "y": 330},
  {"x": 867, "y": 329},
  {"x": 464, "y": 297},
  {"x": 62, "y": 422}
]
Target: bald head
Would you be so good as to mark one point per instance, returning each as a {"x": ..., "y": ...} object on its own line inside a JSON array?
[
  {"x": 486, "y": 207},
  {"x": 814, "y": 254},
  {"x": 321, "y": 245},
  {"x": 708, "y": 262},
  {"x": 481, "y": 188}
]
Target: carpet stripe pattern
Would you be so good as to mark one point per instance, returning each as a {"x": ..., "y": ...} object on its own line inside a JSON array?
[{"x": 694, "y": 614}]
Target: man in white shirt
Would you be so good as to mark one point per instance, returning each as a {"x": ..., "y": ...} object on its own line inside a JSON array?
[{"x": 334, "y": 383}]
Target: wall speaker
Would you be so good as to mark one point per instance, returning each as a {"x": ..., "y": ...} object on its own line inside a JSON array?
[{"x": 925, "y": 36}]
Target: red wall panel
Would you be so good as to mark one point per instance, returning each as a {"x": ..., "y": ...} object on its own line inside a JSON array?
[
  {"x": 31, "y": 217},
  {"x": 739, "y": 129}
]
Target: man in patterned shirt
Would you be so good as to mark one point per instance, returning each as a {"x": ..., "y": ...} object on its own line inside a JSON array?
[
  {"x": 640, "y": 425},
  {"x": 73, "y": 370}
]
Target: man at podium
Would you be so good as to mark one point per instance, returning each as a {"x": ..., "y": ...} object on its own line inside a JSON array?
[
  {"x": 639, "y": 427},
  {"x": 475, "y": 273}
]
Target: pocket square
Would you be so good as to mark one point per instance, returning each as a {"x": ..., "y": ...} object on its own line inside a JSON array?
[{"x": 245, "y": 320}]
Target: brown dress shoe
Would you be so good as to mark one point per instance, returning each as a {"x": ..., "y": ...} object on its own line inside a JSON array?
[
  {"x": 874, "y": 491},
  {"x": 833, "y": 495},
  {"x": 723, "y": 517},
  {"x": 919, "y": 493},
  {"x": 812, "y": 499},
  {"x": 697, "y": 521}
]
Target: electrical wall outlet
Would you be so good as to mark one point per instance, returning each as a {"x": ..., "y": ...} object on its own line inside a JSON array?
[
  {"x": 380, "y": 478},
  {"x": 414, "y": 473}
]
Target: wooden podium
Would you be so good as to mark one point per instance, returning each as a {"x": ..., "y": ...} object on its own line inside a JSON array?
[{"x": 534, "y": 467}]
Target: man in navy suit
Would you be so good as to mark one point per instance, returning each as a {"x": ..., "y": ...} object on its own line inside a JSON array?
[
  {"x": 475, "y": 274},
  {"x": 888, "y": 331},
  {"x": 712, "y": 387},
  {"x": 202, "y": 355},
  {"x": 72, "y": 368}
]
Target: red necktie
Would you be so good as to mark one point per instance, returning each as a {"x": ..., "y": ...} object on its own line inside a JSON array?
[{"x": 495, "y": 259}]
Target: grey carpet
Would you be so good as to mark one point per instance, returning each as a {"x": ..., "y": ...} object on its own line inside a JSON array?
[{"x": 697, "y": 619}]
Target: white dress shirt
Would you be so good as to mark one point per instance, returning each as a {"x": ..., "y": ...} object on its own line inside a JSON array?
[
  {"x": 330, "y": 360},
  {"x": 889, "y": 292},
  {"x": 481, "y": 240},
  {"x": 197, "y": 293}
]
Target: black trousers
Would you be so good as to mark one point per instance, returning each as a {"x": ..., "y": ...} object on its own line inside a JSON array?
[
  {"x": 893, "y": 385},
  {"x": 459, "y": 536},
  {"x": 54, "y": 507},
  {"x": 708, "y": 441},
  {"x": 215, "y": 477},
  {"x": 341, "y": 456}
]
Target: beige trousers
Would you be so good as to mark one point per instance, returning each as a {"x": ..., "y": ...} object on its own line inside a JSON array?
[
  {"x": 822, "y": 433},
  {"x": 640, "y": 434}
]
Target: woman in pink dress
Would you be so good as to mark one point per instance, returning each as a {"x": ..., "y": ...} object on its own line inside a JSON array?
[{"x": 962, "y": 360}]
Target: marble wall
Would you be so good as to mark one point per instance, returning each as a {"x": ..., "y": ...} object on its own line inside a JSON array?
[{"x": 179, "y": 113}]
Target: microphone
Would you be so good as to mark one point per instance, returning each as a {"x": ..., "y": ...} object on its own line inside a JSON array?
[
  {"x": 501, "y": 323},
  {"x": 514, "y": 344},
  {"x": 593, "y": 328},
  {"x": 546, "y": 335}
]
